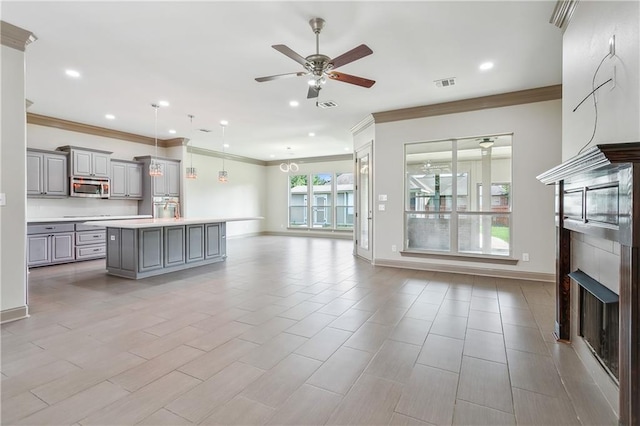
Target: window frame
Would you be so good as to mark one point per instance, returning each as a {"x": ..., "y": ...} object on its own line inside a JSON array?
[
  {"x": 310, "y": 207},
  {"x": 454, "y": 213}
]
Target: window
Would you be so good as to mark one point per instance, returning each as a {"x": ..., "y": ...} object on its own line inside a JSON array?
[
  {"x": 458, "y": 196},
  {"x": 325, "y": 204}
]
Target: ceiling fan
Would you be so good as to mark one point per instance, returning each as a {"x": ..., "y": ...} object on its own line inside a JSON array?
[{"x": 320, "y": 66}]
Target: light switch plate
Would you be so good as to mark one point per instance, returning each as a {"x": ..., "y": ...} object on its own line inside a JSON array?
[
  {"x": 382, "y": 197},
  {"x": 381, "y": 207},
  {"x": 3, "y": 199}
]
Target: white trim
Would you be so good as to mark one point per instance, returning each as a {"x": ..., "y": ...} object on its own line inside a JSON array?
[{"x": 498, "y": 273}]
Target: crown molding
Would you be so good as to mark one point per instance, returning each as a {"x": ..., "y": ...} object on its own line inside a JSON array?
[
  {"x": 562, "y": 13},
  {"x": 72, "y": 126},
  {"x": 15, "y": 37},
  {"x": 218, "y": 154},
  {"x": 539, "y": 94},
  {"x": 343, "y": 157},
  {"x": 363, "y": 124}
]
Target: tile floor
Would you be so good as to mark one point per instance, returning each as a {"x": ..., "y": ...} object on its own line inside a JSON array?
[{"x": 290, "y": 331}]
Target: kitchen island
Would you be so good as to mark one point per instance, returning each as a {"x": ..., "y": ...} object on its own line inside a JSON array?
[{"x": 147, "y": 247}]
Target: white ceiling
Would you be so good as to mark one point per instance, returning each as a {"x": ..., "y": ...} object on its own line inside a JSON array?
[{"x": 203, "y": 57}]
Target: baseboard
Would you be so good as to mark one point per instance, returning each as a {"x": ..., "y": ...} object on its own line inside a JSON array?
[
  {"x": 457, "y": 269},
  {"x": 250, "y": 234},
  {"x": 14, "y": 314},
  {"x": 327, "y": 234}
]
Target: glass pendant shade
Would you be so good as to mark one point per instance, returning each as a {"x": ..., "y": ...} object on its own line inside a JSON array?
[
  {"x": 155, "y": 169},
  {"x": 223, "y": 176},
  {"x": 289, "y": 167}
]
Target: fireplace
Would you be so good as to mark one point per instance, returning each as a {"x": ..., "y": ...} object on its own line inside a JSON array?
[
  {"x": 598, "y": 321},
  {"x": 598, "y": 200}
]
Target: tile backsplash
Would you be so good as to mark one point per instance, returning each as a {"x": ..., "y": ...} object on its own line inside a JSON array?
[{"x": 60, "y": 207}]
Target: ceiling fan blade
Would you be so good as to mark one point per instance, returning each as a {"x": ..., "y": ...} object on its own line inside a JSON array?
[
  {"x": 275, "y": 77},
  {"x": 313, "y": 92},
  {"x": 290, "y": 53},
  {"x": 352, "y": 79},
  {"x": 350, "y": 56}
]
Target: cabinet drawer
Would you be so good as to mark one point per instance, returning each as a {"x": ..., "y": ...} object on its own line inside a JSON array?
[
  {"x": 89, "y": 252},
  {"x": 50, "y": 228},
  {"x": 88, "y": 237},
  {"x": 83, "y": 227}
]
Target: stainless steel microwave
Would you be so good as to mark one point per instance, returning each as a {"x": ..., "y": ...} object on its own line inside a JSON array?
[{"x": 89, "y": 187}]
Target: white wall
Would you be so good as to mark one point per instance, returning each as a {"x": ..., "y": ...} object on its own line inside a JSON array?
[
  {"x": 277, "y": 215},
  {"x": 536, "y": 132},
  {"x": 585, "y": 43},
  {"x": 13, "y": 181},
  {"x": 244, "y": 195}
]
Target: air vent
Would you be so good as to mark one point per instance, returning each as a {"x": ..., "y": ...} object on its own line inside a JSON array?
[
  {"x": 205, "y": 130},
  {"x": 446, "y": 82},
  {"x": 326, "y": 104}
]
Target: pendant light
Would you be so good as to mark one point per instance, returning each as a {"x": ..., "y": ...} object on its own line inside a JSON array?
[
  {"x": 192, "y": 173},
  {"x": 289, "y": 166},
  {"x": 223, "y": 176},
  {"x": 155, "y": 169}
]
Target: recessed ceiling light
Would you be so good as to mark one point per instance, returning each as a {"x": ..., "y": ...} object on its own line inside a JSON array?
[
  {"x": 223, "y": 122},
  {"x": 294, "y": 103},
  {"x": 110, "y": 117},
  {"x": 226, "y": 145},
  {"x": 272, "y": 156},
  {"x": 311, "y": 134},
  {"x": 486, "y": 66},
  {"x": 72, "y": 73},
  {"x": 173, "y": 132},
  {"x": 346, "y": 148},
  {"x": 163, "y": 103}
]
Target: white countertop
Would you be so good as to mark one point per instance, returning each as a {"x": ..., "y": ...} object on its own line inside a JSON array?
[
  {"x": 85, "y": 218},
  {"x": 152, "y": 223}
]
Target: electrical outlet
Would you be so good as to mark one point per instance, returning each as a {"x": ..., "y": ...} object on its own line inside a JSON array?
[
  {"x": 525, "y": 257},
  {"x": 612, "y": 46},
  {"x": 3, "y": 199},
  {"x": 394, "y": 248}
]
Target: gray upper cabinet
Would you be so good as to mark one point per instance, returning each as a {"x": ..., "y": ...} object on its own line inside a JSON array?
[
  {"x": 126, "y": 180},
  {"x": 167, "y": 185},
  {"x": 46, "y": 174},
  {"x": 88, "y": 162}
]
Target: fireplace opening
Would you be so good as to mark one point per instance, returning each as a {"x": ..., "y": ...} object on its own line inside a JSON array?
[{"x": 599, "y": 316}]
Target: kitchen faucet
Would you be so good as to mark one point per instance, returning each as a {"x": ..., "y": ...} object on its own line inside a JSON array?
[{"x": 177, "y": 210}]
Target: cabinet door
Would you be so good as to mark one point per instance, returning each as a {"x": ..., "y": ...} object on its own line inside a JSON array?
[
  {"x": 118, "y": 179},
  {"x": 55, "y": 175},
  {"x": 35, "y": 167},
  {"x": 159, "y": 182},
  {"x": 195, "y": 243},
  {"x": 172, "y": 170},
  {"x": 62, "y": 247},
  {"x": 81, "y": 163},
  {"x": 212, "y": 240},
  {"x": 38, "y": 252},
  {"x": 100, "y": 164},
  {"x": 134, "y": 180},
  {"x": 150, "y": 249},
  {"x": 174, "y": 251}
]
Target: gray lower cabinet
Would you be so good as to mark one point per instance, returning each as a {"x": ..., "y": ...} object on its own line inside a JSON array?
[
  {"x": 150, "y": 250},
  {"x": 195, "y": 243},
  {"x": 90, "y": 242},
  {"x": 44, "y": 249},
  {"x": 174, "y": 246},
  {"x": 136, "y": 253}
]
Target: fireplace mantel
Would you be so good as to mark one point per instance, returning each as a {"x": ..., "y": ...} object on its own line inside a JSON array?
[{"x": 598, "y": 194}]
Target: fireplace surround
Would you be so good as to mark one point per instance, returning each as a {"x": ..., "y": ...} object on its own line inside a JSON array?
[{"x": 598, "y": 196}]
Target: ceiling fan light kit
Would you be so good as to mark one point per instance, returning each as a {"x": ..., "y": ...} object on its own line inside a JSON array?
[
  {"x": 321, "y": 67},
  {"x": 486, "y": 143}
]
